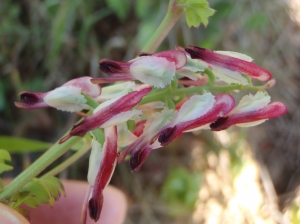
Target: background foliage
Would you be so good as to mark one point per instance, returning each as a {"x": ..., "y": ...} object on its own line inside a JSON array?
[{"x": 45, "y": 43}]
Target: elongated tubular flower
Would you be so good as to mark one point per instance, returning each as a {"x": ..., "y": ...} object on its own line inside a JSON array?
[
  {"x": 68, "y": 97},
  {"x": 150, "y": 129},
  {"x": 228, "y": 62},
  {"x": 107, "y": 113},
  {"x": 223, "y": 104},
  {"x": 157, "y": 70},
  {"x": 252, "y": 110},
  {"x": 101, "y": 166}
]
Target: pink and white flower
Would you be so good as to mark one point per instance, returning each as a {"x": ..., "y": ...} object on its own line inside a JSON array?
[
  {"x": 251, "y": 110},
  {"x": 68, "y": 97},
  {"x": 101, "y": 167},
  {"x": 228, "y": 66},
  {"x": 157, "y": 70},
  {"x": 109, "y": 113}
]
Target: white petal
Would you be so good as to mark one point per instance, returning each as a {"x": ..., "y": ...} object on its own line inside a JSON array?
[
  {"x": 115, "y": 90},
  {"x": 229, "y": 76},
  {"x": 96, "y": 158},
  {"x": 156, "y": 121},
  {"x": 85, "y": 85},
  {"x": 195, "y": 107},
  {"x": 195, "y": 65},
  {"x": 121, "y": 118},
  {"x": 252, "y": 103},
  {"x": 67, "y": 98},
  {"x": 236, "y": 55},
  {"x": 250, "y": 124},
  {"x": 187, "y": 73},
  {"x": 107, "y": 103},
  {"x": 125, "y": 137},
  {"x": 156, "y": 71}
]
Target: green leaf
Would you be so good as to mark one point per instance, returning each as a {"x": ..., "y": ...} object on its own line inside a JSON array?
[
  {"x": 21, "y": 145},
  {"x": 5, "y": 167},
  {"x": 4, "y": 154},
  {"x": 196, "y": 11},
  {"x": 55, "y": 186},
  {"x": 38, "y": 192},
  {"x": 19, "y": 198}
]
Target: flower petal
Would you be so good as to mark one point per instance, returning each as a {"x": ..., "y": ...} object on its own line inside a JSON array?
[
  {"x": 235, "y": 55},
  {"x": 195, "y": 107},
  {"x": 229, "y": 62},
  {"x": 270, "y": 111},
  {"x": 156, "y": 71},
  {"x": 66, "y": 98},
  {"x": 121, "y": 118},
  {"x": 86, "y": 86},
  {"x": 252, "y": 103},
  {"x": 125, "y": 137},
  {"x": 105, "y": 171},
  {"x": 94, "y": 121},
  {"x": 176, "y": 56},
  {"x": 31, "y": 100},
  {"x": 222, "y": 105},
  {"x": 112, "y": 91}
]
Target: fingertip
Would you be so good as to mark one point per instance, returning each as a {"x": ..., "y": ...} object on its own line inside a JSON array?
[{"x": 114, "y": 207}]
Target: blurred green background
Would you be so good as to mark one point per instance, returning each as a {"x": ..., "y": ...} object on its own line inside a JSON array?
[{"x": 199, "y": 178}]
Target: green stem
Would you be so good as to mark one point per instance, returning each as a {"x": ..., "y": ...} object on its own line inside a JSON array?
[
  {"x": 72, "y": 159},
  {"x": 168, "y": 93},
  {"x": 157, "y": 96},
  {"x": 172, "y": 16},
  {"x": 37, "y": 167}
]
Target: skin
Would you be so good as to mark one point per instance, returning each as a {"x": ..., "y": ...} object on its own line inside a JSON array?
[{"x": 68, "y": 209}]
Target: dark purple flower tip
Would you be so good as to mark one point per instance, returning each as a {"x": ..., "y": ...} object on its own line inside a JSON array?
[
  {"x": 113, "y": 67},
  {"x": 29, "y": 98},
  {"x": 228, "y": 62},
  {"x": 95, "y": 207},
  {"x": 166, "y": 135},
  {"x": 218, "y": 123},
  {"x": 144, "y": 54},
  {"x": 272, "y": 110},
  {"x": 138, "y": 157}
]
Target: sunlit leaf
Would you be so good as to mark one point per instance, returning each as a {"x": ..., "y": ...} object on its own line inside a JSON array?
[
  {"x": 4, "y": 154},
  {"x": 196, "y": 11},
  {"x": 21, "y": 145}
]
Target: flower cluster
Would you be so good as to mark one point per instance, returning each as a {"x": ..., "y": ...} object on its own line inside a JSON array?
[{"x": 158, "y": 97}]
